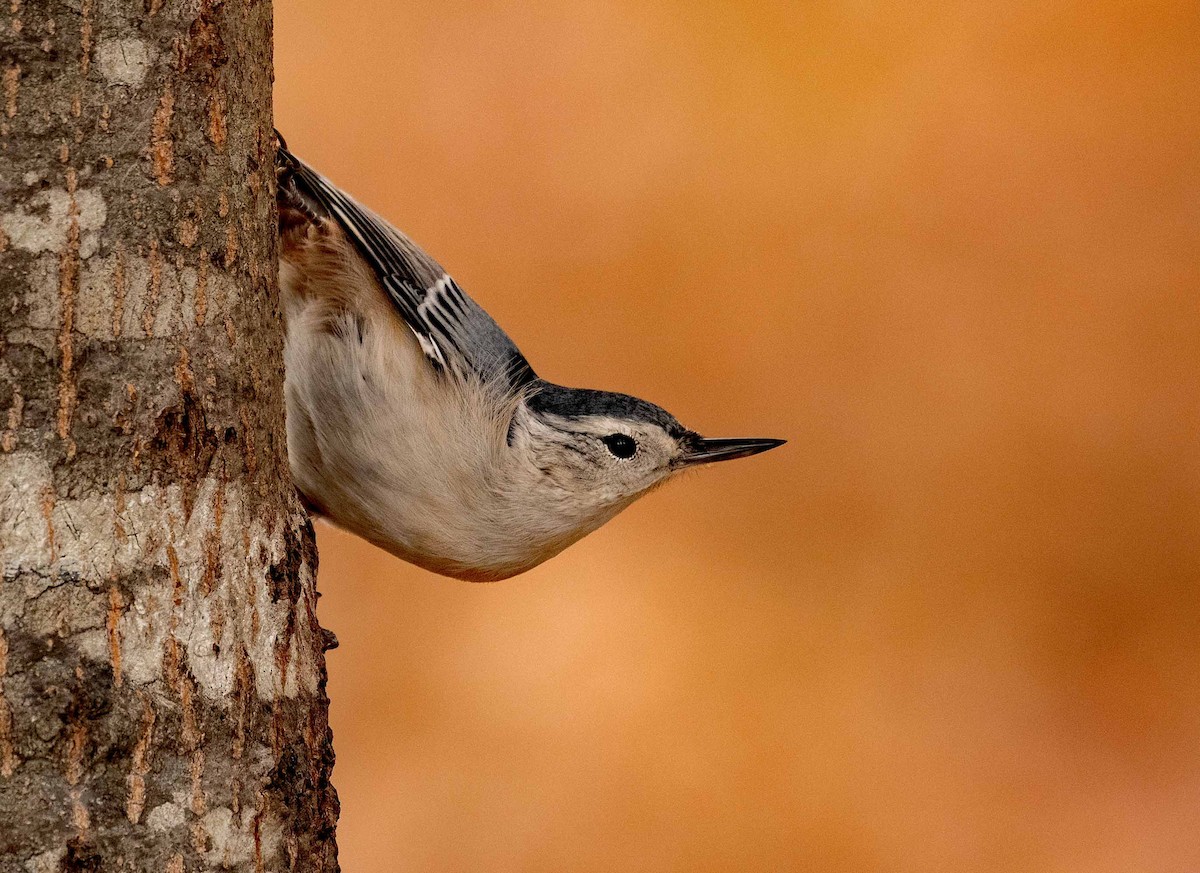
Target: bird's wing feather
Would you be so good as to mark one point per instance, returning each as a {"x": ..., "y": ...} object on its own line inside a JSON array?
[{"x": 455, "y": 333}]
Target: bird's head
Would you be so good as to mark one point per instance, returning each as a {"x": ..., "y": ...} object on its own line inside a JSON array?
[{"x": 592, "y": 453}]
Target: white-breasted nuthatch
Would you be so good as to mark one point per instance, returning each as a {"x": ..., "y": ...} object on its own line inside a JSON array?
[{"x": 416, "y": 423}]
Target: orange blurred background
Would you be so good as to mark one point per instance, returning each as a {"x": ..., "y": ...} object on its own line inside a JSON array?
[{"x": 950, "y": 251}]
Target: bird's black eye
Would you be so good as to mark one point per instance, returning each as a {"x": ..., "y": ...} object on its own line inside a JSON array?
[{"x": 620, "y": 445}]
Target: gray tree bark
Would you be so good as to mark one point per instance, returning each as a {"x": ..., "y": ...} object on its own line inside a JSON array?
[{"x": 162, "y": 675}]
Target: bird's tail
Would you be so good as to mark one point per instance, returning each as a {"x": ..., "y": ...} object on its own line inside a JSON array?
[
  {"x": 286, "y": 163},
  {"x": 294, "y": 198}
]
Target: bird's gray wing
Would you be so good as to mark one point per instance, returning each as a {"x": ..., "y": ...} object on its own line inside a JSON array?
[{"x": 454, "y": 331}]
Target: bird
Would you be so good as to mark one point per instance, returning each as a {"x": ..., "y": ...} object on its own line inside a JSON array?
[{"x": 414, "y": 422}]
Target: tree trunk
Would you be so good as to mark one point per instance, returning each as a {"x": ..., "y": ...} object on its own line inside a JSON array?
[{"x": 162, "y": 702}]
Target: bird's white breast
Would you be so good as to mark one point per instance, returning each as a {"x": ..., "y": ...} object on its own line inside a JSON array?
[{"x": 410, "y": 459}]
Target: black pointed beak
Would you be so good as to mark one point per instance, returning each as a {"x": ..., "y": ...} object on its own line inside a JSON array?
[{"x": 699, "y": 450}]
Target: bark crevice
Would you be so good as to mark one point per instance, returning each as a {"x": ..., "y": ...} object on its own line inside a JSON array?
[{"x": 162, "y": 678}]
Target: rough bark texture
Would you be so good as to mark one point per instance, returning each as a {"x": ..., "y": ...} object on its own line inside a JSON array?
[{"x": 162, "y": 700}]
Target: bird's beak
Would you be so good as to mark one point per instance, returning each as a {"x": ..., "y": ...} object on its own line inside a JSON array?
[{"x": 699, "y": 450}]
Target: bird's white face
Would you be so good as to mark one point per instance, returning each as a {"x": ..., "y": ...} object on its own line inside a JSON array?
[
  {"x": 603, "y": 463},
  {"x": 566, "y": 475}
]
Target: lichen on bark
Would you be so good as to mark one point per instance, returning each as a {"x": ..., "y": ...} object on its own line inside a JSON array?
[{"x": 162, "y": 701}]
